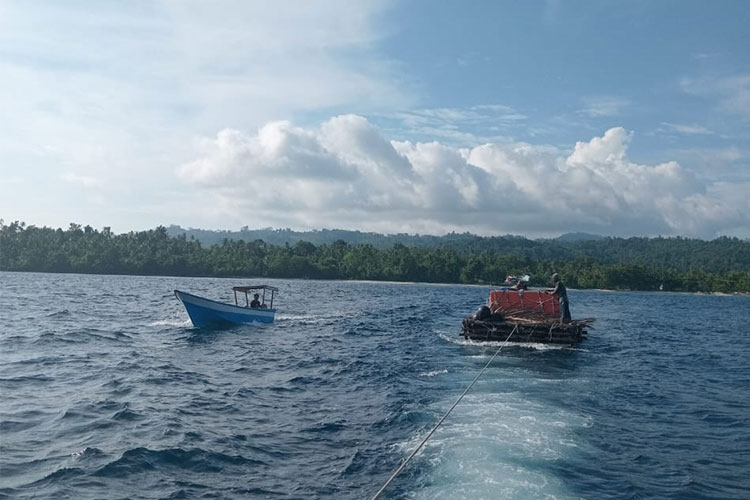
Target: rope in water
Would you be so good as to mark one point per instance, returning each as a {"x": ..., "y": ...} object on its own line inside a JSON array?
[{"x": 408, "y": 459}]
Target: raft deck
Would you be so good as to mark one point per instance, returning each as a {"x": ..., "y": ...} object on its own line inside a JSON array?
[{"x": 524, "y": 326}]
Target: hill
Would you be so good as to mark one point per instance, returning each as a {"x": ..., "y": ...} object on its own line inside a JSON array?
[
  {"x": 682, "y": 254},
  {"x": 579, "y": 237},
  {"x": 674, "y": 264}
]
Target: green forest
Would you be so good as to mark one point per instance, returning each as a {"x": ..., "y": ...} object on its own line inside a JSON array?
[{"x": 671, "y": 264}]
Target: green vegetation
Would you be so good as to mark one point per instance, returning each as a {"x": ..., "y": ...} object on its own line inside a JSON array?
[{"x": 679, "y": 264}]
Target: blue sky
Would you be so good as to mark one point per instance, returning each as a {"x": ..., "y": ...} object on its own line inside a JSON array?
[{"x": 532, "y": 118}]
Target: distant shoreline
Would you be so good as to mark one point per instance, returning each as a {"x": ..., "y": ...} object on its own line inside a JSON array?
[
  {"x": 674, "y": 265},
  {"x": 715, "y": 294},
  {"x": 391, "y": 282}
]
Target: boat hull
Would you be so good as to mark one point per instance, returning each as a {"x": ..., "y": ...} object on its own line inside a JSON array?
[
  {"x": 549, "y": 332},
  {"x": 206, "y": 312}
]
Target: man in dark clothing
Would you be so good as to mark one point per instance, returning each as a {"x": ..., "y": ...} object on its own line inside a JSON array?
[
  {"x": 562, "y": 296},
  {"x": 255, "y": 302}
]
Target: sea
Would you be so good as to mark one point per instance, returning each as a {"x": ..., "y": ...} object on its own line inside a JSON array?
[{"x": 108, "y": 392}]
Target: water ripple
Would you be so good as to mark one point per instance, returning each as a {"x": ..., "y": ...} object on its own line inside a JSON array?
[{"x": 115, "y": 395}]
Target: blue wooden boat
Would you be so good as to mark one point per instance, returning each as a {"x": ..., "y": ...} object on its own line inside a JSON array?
[{"x": 205, "y": 312}]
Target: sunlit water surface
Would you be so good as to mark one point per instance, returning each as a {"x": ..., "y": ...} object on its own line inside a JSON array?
[{"x": 106, "y": 391}]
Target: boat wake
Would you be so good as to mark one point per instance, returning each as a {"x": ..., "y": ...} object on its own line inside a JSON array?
[
  {"x": 459, "y": 340},
  {"x": 311, "y": 319},
  {"x": 172, "y": 322},
  {"x": 493, "y": 446}
]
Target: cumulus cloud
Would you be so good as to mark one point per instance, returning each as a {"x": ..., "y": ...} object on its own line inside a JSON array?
[
  {"x": 162, "y": 70},
  {"x": 345, "y": 173}
]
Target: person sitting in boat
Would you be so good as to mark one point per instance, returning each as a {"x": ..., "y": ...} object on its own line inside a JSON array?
[
  {"x": 255, "y": 302},
  {"x": 562, "y": 297}
]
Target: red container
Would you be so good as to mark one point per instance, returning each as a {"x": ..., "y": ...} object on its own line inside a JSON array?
[{"x": 504, "y": 301}]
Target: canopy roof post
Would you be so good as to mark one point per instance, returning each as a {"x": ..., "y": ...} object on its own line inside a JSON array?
[{"x": 254, "y": 288}]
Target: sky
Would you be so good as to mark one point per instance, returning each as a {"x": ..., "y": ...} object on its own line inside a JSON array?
[{"x": 533, "y": 118}]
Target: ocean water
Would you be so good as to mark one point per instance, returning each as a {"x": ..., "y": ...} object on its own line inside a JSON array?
[{"x": 106, "y": 391}]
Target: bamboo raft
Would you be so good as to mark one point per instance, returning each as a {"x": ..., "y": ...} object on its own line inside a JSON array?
[
  {"x": 511, "y": 316},
  {"x": 545, "y": 331}
]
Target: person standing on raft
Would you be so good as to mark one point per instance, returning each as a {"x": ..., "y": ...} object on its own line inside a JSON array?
[{"x": 562, "y": 297}]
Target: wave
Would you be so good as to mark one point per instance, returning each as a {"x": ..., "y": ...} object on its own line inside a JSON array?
[
  {"x": 326, "y": 427},
  {"x": 304, "y": 410},
  {"x": 23, "y": 379},
  {"x": 193, "y": 460},
  {"x": 60, "y": 313},
  {"x": 87, "y": 453}
]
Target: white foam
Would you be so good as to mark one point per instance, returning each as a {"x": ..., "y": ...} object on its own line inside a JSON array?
[
  {"x": 310, "y": 318},
  {"x": 495, "y": 445},
  {"x": 171, "y": 322},
  {"x": 459, "y": 340},
  {"x": 433, "y": 373}
]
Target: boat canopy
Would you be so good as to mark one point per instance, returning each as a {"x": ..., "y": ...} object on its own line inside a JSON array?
[
  {"x": 254, "y": 287},
  {"x": 246, "y": 289}
]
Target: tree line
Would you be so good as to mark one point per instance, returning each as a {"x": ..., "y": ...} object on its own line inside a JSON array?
[{"x": 632, "y": 264}]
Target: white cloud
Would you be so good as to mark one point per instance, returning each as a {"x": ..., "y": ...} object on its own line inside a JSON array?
[
  {"x": 112, "y": 96},
  {"x": 99, "y": 84},
  {"x": 735, "y": 93},
  {"x": 604, "y": 106},
  {"x": 83, "y": 180},
  {"x": 716, "y": 156},
  {"x": 345, "y": 173},
  {"x": 117, "y": 92},
  {"x": 686, "y": 129},
  {"x": 732, "y": 93},
  {"x": 458, "y": 126}
]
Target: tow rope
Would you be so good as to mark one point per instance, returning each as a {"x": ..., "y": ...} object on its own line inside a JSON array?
[{"x": 408, "y": 459}]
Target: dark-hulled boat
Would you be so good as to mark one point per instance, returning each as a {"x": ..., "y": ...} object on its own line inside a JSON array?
[{"x": 523, "y": 316}]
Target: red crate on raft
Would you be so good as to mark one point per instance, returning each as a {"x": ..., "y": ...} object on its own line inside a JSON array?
[{"x": 504, "y": 301}]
